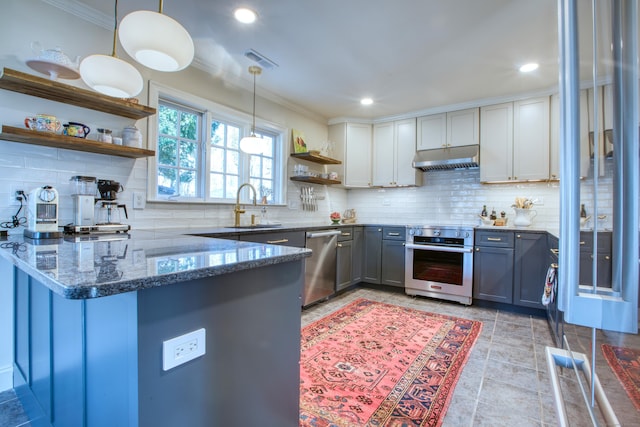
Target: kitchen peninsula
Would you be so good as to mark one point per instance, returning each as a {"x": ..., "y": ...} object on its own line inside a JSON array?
[{"x": 91, "y": 317}]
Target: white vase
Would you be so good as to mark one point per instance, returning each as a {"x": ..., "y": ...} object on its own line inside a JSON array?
[{"x": 524, "y": 217}]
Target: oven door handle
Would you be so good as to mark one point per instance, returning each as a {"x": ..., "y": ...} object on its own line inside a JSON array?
[{"x": 439, "y": 248}]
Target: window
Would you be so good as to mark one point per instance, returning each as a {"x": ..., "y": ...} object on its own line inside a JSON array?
[
  {"x": 198, "y": 156},
  {"x": 178, "y": 148}
]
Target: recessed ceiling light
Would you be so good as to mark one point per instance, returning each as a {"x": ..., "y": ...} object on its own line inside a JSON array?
[
  {"x": 366, "y": 101},
  {"x": 245, "y": 15},
  {"x": 527, "y": 68}
]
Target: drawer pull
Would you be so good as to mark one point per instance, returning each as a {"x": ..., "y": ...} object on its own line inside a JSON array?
[
  {"x": 555, "y": 251},
  {"x": 393, "y": 234},
  {"x": 494, "y": 239},
  {"x": 582, "y": 243},
  {"x": 273, "y": 242},
  {"x": 339, "y": 245},
  {"x": 346, "y": 234}
]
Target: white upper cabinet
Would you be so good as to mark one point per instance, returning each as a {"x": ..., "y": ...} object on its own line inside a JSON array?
[
  {"x": 432, "y": 132},
  {"x": 531, "y": 139},
  {"x": 352, "y": 145},
  {"x": 496, "y": 142},
  {"x": 453, "y": 129},
  {"x": 394, "y": 147},
  {"x": 554, "y": 141},
  {"x": 463, "y": 128},
  {"x": 514, "y": 142}
]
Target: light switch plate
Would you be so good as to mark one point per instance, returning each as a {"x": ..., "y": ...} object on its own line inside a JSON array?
[{"x": 138, "y": 200}]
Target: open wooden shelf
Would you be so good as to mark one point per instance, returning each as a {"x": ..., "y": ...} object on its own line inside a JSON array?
[
  {"x": 27, "y": 136},
  {"x": 316, "y": 157},
  {"x": 28, "y": 84},
  {"x": 315, "y": 180}
]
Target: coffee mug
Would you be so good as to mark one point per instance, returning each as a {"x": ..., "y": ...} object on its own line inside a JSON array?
[
  {"x": 43, "y": 123},
  {"x": 76, "y": 129}
]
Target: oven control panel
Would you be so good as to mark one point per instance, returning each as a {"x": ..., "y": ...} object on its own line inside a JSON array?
[{"x": 430, "y": 231}]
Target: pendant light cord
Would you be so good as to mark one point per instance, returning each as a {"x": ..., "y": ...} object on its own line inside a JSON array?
[
  {"x": 253, "y": 126},
  {"x": 115, "y": 28}
]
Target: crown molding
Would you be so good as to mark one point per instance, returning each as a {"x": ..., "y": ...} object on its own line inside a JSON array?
[{"x": 83, "y": 11}]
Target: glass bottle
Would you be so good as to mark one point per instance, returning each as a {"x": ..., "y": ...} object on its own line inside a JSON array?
[
  {"x": 583, "y": 211},
  {"x": 484, "y": 211}
]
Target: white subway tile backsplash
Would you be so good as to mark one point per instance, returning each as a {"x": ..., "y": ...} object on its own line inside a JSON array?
[{"x": 447, "y": 197}]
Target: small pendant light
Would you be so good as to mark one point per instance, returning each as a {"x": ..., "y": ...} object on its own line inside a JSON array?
[
  {"x": 253, "y": 144},
  {"x": 109, "y": 74},
  {"x": 156, "y": 40}
]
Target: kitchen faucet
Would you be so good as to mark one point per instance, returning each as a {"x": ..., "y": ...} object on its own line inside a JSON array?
[{"x": 236, "y": 210}]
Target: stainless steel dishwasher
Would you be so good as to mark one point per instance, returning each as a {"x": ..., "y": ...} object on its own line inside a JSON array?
[{"x": 320, "y": 267}]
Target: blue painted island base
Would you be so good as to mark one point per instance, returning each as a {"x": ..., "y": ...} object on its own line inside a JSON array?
[{"x": 98, "y": 362}]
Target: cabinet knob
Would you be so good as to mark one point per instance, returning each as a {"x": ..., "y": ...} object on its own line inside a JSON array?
[
  {"x": 607, "y": 257},
  {"x": 518, "y": 236},
  {"x": 339, "y": 245},
  {"x": 477, "y": 249},
  {"x": 380, "y": 230}
]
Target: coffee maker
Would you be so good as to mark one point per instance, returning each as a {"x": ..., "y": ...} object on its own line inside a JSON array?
[
  {"x": 108, "y": 209},
  {"x": 96, "y": 209}
]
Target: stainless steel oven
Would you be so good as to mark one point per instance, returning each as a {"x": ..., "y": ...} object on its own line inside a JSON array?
[{"x": 439, "y": 262}]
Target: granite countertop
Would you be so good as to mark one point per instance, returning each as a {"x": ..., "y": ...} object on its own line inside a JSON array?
[{"x": 77, "y": 267}]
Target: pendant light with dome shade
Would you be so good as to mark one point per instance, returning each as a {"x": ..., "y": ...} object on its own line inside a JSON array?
[
  {"x": 156, "y": 41},
  {"x": 253, "y": 144},
  {"x": 110, "y": 75}
]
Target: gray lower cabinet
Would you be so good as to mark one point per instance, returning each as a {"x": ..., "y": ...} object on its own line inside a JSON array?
[
  {"x": 357, "y": 248},
  {"x": 344, "y": 251},
  {"x": 384, "y": 254},
  {"x": 603, "y": 255},
  {"x": 372, "y": 254},
  {"x": 493, "y": 274},
  {"x": 392, "y": 270},
  {"x": 530, "y": 268},
  {"x": 510, "y": 267}
]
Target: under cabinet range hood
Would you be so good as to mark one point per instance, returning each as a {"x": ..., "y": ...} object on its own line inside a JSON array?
[{"x": 464, "y": 157}]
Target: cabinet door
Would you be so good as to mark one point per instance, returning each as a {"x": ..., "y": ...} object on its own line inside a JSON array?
[
  {"x": 496, "y": 142},
  {"x": 372, "y": 253},
  {"x": 405, "y": 143},
  {"x": 392, "y": 271},
  {"x": 383, "y": 155},
  {"x": 344, "y": 264},
  {"x": 357, "y": 255},
  {"x": 357, "y": 163},
  {"x": 554, "y": 137},
  {"x": 463, "y": 128},
  {"x": 530, "y": 269},
  {"x": 432, "y": 131},
  {"x": 493, "y": 274},
  {"x": 531, "y": 139}
]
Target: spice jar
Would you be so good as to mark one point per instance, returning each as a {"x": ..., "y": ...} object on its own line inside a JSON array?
[
  {"x": 104, "y": 135},
  {"x": 131, "y": 137}
]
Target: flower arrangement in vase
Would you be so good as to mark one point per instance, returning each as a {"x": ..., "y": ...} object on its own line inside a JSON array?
[{"x": 335, "y": 217}]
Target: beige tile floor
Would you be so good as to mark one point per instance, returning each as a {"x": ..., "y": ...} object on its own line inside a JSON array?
[{"x": 506, "y": 380}]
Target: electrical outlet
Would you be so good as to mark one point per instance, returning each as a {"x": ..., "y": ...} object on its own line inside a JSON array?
[
  {"x": 138, "y": 200},
  {"x": 15, "y": 195},
  {"x": 182, "y": 349}
]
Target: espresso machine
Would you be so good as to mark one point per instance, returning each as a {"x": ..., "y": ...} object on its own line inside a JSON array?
[{"x": 96, "y": 208}]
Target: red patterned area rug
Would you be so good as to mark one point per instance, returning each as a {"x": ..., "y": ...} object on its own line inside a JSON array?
[
  {"x": 625, "y": 363},
  {"x": 376, "y": 364}
]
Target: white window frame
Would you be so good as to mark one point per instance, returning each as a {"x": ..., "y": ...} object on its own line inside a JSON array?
[{"x": 212, "y": 111}]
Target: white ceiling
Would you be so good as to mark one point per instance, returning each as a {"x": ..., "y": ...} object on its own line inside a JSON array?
[{"x": 408, "y": 55}]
